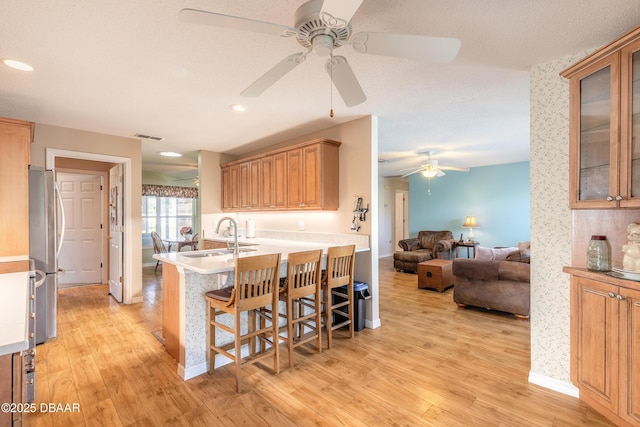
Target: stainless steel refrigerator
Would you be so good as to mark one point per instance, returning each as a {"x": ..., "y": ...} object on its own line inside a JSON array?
[{"x": 45, "y": 215}]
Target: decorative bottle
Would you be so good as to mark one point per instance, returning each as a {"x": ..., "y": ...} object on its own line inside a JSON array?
[{"x": 599, "y": 254}]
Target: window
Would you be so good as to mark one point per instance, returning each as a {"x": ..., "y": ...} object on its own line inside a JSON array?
[{"x": 165, "y": 216}]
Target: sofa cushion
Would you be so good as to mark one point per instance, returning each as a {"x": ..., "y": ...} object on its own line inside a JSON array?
[
  {"x": 493, "y": 254},
  {"x": 413, "y": 256},
  {"x": 476, "y": 269},
  {"x": 514, "y": 271}
]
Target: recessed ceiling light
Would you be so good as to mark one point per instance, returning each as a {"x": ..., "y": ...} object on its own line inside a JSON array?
[
  {"x": 170, "y": 154},
  {"x": 17, "y": 65},
  {"x": 238, "y": 107}
]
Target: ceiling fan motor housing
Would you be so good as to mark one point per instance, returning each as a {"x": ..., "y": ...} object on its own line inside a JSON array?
[{"x": 314, "y": 33}]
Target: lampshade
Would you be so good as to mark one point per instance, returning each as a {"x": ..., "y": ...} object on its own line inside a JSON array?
[
  {"x": 429, "y": 173},
  {"x": 470, "y": 222}
]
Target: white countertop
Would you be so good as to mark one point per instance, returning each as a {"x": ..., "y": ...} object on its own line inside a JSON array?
[
  {"x": 222, "y": 263},
  {"x": 14, "y": 312}
]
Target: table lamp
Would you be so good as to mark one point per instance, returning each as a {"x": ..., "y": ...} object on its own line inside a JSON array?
[{"x": 470, "y": 223}]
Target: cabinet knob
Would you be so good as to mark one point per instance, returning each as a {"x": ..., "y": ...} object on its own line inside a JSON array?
[
  {"x": 609, "y": 199},
  {"x": 611, "y": 295},
  {"x": 620, "y": 297},
  {"x": 618, "y": 198}
]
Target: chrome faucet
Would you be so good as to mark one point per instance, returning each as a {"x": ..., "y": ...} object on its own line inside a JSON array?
[{"x": 235, "y": 234}]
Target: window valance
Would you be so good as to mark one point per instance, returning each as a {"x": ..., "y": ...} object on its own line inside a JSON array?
[{"x": 169, "y": 191}]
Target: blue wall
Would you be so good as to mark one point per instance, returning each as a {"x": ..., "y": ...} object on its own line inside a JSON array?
[{"x": 498, "y": 196}]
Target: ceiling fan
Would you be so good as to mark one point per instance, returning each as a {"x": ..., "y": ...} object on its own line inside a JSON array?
[
  {"x": 321, "y": 27},
  {"x": 432, "y": 169}
]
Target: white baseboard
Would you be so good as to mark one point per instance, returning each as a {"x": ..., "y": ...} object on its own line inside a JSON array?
[
  {"x": 203, "y": 368},
  {"x": 372, "y": 324},
  {"x": 563, "y": 387}
]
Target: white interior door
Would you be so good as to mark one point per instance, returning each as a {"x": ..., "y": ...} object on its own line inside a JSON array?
[
  {"x": 116, "y": 228},
  {"x": 401, "y": 217},
  {"x": 81, "y": 253}
]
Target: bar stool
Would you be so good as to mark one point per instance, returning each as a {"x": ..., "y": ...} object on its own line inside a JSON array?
[
  {"x": 255, "y": 287},
  {"x": 339, "y": 272},
  {"x": 301, "y": 293}
]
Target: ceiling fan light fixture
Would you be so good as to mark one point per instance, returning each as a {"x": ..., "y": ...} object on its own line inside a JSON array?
[
  {"x": 322, "y": 45},
  {"x": 17, "y": 65},
  {"x": 169, "y": 154},
  {"x": 429, "y": 173}
]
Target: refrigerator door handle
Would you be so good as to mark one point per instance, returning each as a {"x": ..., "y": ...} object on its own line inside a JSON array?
[
  {"x": 62, "y": 219},
  {"x": 43, "y": 277}
]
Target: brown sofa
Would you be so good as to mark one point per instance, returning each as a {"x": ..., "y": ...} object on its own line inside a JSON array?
[
  {"x": 428, "y": 245},
  {"x": 495, "y": 284}
]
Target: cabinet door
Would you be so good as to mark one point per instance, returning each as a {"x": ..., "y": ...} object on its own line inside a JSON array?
[
  {"x": 234, "y": 190},
  {"x": 595, "y": 127},
  {"x": 267, "y": 183},
  {"x": 594, "y": 341},
  {"x": 295, "y": 179},
  {"x": 312, "y": 176},
  {"x": 15, "y": 138},
  {"x": 630, "y": 355},
  {"x": 280, "y": 180},
  {"x": 630, "y": 126},
  {"x": 244, "y": 185},
  {"x": 254, "y": 184}
]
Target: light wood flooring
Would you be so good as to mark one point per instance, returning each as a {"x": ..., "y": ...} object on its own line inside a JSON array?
[{"x": 429, "y": 364}]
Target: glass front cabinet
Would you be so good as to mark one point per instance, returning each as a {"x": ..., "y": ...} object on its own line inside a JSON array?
[{"x": 604, "y": 125}]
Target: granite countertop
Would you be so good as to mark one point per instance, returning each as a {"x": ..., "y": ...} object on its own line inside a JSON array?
[
  {"x": 190, "y": 260},
  {"x": 14, "y": 312}
]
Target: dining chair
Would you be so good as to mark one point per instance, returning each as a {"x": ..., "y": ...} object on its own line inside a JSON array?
[
  {"x": 337, "y": 281},
  {"x": 158, "y": 246},
  {"x": 255, "y": 287},
  {"x": 302, "y": 296}
]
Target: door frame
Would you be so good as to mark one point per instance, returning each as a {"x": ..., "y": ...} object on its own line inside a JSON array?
[
  {"x": 50, "y": 161},
  {"x": 104, "y": 276}
]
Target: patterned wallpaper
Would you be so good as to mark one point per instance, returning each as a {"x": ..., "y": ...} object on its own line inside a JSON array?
[{"x": 550, "y": 219}]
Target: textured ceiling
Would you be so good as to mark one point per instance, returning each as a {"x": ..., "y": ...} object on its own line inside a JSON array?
[{"x": 122, "y": 67}]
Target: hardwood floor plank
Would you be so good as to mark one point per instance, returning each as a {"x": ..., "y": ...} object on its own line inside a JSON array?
[{"x": 429, "y": 364}]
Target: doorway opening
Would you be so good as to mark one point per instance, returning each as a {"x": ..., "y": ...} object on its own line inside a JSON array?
[{"x": 53, "y": 155}]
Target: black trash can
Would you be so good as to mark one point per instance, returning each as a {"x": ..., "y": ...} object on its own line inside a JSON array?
[{"x": 359, "y": 304}]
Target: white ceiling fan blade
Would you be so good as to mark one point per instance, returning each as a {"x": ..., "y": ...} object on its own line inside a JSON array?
[
  {"x": 411, "y": 173},
  {"x": 440, "y": 173},
  {"x": 234, "y": 22},
  {"x": 273, "y": 75},
  {"x": 454, "y": 168},
  {"x": 345, "y": 81},
  {"x": 338, "y": 13},
  {"x": 433, "y": 49}
]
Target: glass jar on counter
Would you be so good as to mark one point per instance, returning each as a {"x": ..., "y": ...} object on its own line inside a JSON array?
[{"x": 599, "y": 254}]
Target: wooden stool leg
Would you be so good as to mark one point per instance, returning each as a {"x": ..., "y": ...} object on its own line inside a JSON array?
[
  {"x": 290, "y": 332},
  {"x": 238, "y": 355},
  {"x": 328, "y": 315}
]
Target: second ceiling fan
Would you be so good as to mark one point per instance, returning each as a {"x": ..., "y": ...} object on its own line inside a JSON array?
[{"x": 321, "y": 27}]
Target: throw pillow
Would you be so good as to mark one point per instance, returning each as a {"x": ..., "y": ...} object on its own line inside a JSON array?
[
  {"x": 520, "y": 256},
  {"x": 492, "y": 254}
]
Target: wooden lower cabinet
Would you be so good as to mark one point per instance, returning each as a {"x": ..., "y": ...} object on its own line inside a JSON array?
[
  {"x": 171, "y": 309},
  {"x": 605, "y": 344},
  {"x": 213, "y": 244}
]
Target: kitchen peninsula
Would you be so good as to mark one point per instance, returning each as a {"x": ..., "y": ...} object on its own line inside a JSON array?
[{"x": 187, "y": 276}]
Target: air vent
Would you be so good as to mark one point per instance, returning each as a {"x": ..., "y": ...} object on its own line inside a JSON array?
[{"x": 153, "y": 138}]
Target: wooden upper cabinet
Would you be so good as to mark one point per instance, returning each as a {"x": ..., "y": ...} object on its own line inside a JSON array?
[
  {"x": 304, "y": 176},
  {"x": 230, "y": 187},
  {"x": 15, "y": 139},
  {"x": 604, "y": 122}
]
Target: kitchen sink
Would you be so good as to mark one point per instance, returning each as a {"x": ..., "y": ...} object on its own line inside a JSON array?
[{"x": 219, "y": 252}]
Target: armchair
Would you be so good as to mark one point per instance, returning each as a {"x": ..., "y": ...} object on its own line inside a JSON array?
[{"x": 428, "y": 245}]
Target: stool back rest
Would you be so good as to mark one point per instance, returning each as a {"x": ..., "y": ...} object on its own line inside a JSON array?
[
  {"x": 340, "y": 261},
  {"x": 257, "y": 281},
  {"x": 303, "y": 273}
]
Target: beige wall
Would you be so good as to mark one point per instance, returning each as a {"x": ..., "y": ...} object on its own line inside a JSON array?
[{"x": 101, "y": 145}]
